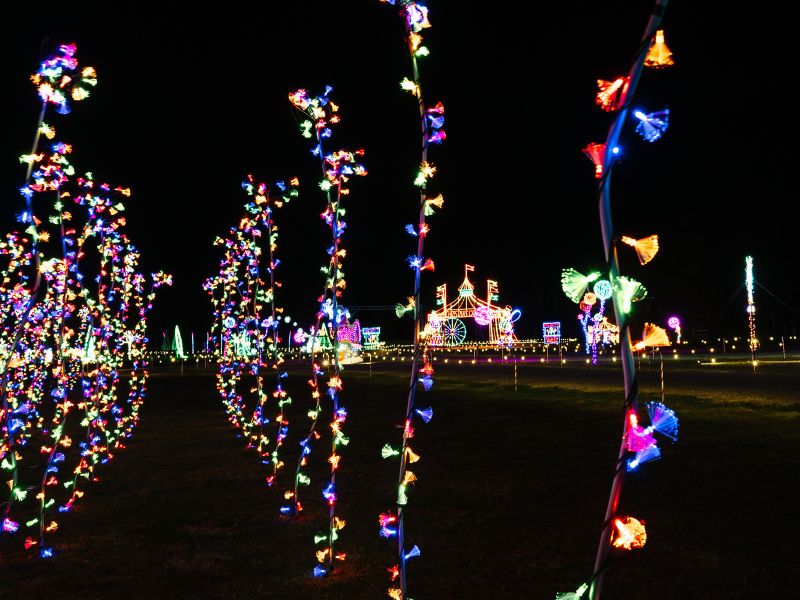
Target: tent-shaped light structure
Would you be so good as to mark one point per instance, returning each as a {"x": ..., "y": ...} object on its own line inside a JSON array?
[{"x": 445, "y": 325}]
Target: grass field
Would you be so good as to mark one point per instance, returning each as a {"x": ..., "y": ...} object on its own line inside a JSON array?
[{"x": 511, "y": 493}]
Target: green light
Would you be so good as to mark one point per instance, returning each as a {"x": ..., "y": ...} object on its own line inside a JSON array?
[
  {"x": 574, "y": 284},
  {"x": 629, "y": 291}
]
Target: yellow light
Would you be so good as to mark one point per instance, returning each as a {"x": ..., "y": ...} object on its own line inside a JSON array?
[{"x": 659, "y": 55}]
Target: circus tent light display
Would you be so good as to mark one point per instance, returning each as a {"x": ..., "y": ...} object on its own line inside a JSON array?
[{"x": 445, "y": 326}]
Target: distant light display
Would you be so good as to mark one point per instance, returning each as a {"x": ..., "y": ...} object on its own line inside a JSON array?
[
  {"x": 371, "y": 337},
  {"x": 674, "y": 323},
  {"x": 551, "y": 332},
  {"x": 596, "y": 328},
  {"x": 751, "y": 305}
]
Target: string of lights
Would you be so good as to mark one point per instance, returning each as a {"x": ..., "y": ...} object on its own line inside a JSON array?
[
  {"x": 638, "y": 445},
  {"x": 66, "y": 332},
  {"x": 415, "y": 16},
  {"x": 337, "y": 169}
]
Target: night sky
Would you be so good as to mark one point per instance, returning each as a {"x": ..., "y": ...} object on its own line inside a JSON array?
[{"x": 189, "y": 102}]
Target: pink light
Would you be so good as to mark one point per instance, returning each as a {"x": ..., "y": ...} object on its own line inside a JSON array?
[{"x": 483, "y": 315}]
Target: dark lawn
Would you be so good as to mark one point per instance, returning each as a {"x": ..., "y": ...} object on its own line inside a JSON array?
[{"x": 511, "y": 493}]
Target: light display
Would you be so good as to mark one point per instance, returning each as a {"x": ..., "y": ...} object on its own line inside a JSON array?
[
  {"x": 625, "y": 290},
  {"x": 751, "y": 306},
  {"x": 338, "y": 167},
  {"x": 640, "y": 441},
  {"x": 653, "y": 336},
  {"x": 349, "y": 337},
  {"x": 597, "y": 154},
  {"x": 415, "y": 16},
  {"x": 177, "y": 344},
  {"x": 371, "y": 337},
  {"x": 445, "y": 325},
  {"x": 59, "y": 79},
  {"x": 574, "y": 284},
  {"x": 576, "y": 595},
  {"x": 62, "y": 345},
  {"x": 609, "y": 93},
  {"x": 247, "y": 318},
  {"x": 596, "y": 328},
  {"x": 674, "y": 323},
  {"x": 659, "y": 56},
  {"x": 551, "y": 332},
  {"x": 652, "y": 125},
  {"x": 646, "y": 248},
  {"x": 629, "y": 533}
]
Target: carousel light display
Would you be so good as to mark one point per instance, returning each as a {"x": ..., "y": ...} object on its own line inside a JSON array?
[
  {"x": 66, "y": 329},
  {"x": 318, "y": 113},
  {"x": 445, "y": 326},
  {"x": 626, "y": 291}
]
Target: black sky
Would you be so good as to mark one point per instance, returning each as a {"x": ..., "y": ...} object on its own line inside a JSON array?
[{"x": 190, "y": 101}]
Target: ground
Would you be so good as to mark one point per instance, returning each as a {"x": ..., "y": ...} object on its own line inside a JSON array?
[{"x": 512, "y": 489}]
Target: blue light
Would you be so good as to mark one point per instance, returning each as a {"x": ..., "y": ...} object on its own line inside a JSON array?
[{"x": 320, "y": 571}]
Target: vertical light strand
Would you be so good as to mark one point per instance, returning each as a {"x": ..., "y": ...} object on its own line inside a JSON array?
[
  {"x": 415, "y": 16},
  {"x": 319, "y": 113},
  {"x": 337, "y": 169},
  {"x": 620, "y": 302},
  {"x": 751, "y": 307}
]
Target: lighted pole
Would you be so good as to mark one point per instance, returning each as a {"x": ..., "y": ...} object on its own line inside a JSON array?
[
  {"x": 751, "y": 307},
  {"x": 626, "y": 352}
]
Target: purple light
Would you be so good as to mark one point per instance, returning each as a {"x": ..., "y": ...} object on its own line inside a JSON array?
[{"x": 483, "y": 315}]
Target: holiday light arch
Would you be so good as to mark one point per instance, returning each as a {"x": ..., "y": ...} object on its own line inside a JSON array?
[{"x": 445, "y": 325}]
